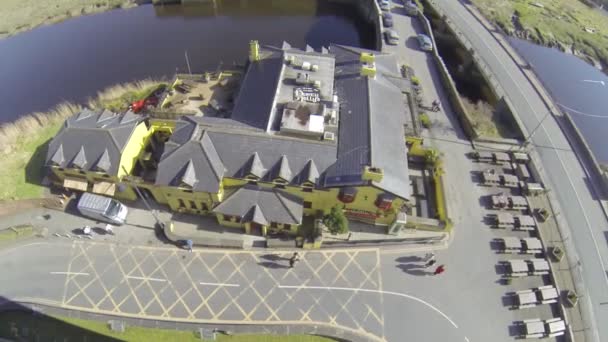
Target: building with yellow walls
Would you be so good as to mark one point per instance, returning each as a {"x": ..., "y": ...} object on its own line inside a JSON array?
[
  {"x": 94, "y": 150},
  {"x": 309, "y": 130}
]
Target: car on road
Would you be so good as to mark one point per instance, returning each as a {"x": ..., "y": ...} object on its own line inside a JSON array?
[
  {"x": 387, "y": 19},
  {"x": 385, "y": 5},
  {"x": 392, "y": 38},
  {"x": 411, "y": 8},
  {"x": 425, "y": 42}
]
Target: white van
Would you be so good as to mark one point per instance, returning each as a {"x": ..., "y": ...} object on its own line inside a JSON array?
[{"x": 102, "y": 208}]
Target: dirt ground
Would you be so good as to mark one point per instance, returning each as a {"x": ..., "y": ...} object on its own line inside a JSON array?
[{"x": 22, "y": 15}]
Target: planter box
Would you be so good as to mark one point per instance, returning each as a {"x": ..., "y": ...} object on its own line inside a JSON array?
[
  {"x": 571, "y": 298},
  {"x": 557, "y": 253}
]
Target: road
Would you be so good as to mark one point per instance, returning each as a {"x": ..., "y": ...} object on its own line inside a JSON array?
[{"x": 567, "y": 177}]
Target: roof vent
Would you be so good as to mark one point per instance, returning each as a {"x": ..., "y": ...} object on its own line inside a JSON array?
[
  {"x": 316, "y": 84},
  {"x": 330, "y": 136},
  {"x": 368, "y": 69}
]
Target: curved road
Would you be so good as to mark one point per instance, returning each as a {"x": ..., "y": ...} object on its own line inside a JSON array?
[{"x": 567, "y": 177}]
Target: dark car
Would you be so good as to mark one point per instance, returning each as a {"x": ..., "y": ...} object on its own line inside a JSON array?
[{"x": 387, "y": 19}]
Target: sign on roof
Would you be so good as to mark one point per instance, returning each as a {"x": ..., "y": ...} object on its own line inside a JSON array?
[{"x": 307, "y": 94}]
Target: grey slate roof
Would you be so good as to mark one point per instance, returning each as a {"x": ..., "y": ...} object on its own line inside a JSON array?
[
  {"x": 92, "y": 140},
  {"x": 256, "y": 95},
  {"x": 373, "y": 113},
  {"x": 196, "y": 163},
  {"x": 261, "y": 205}
]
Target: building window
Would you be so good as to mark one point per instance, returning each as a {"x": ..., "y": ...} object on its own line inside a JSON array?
[
  {"x": 286, "y": 226},
  {"x": 192, "y": 205},
  {"x": 187, "y": 191},
  {"x": 60, "y": 169},
  {"x": 106, "y": 176},
  {"x": 347, "y": 195},
  {"x": 227, "y": 217},
  {"x": 204, "y": 206},
  {"x": 181, "y": 202},
  {"x": 279, "y": 186},
  {"x": 274, "y": 225},
  {"x": 82, "y": 172},
  {"x": 253, "y": 182},
  {"x": 307, "y": 189},
  {"x": 384, "y": 201},
  {"x": 307, "y": 205}
]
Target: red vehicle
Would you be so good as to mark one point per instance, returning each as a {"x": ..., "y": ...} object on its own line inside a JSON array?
[{"x": 137, "y": 106}]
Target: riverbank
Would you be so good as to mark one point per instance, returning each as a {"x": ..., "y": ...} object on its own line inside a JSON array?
[
  {"x": 23, "y": 143},
  {"x": 22, "y": 15},
  {"x": 568, "y": 25}
]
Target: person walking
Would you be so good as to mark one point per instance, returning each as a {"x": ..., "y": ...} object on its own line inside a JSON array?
[
  {"x": 440, "y": 269},
  {"x": 430, "y": 263},
  {"x": 294, "y": 258}
]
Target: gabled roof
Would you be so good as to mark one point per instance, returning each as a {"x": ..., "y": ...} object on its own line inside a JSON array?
[
  {"x": 256, "y": 204},
  {"x": 255, "y": 166},
  {"x": 194, "y": 163},
  {"x": 280, "y": 170},
  {"x": 58, "y": 157},
  {"x": 80, "y": 160},
  {"x": 92, "y": 139},
  {"x": 104, "y": 163},
  {"x": 310, "y": 173},
  {"x": 256, "y": 215}
]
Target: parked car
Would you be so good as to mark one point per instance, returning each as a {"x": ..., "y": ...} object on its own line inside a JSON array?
[
  {"x": 102, "y": 208},
  {"x": 425, "y": 42},
  {"x": 387, "y": 19},
  {"x": 411, "y": 8},
  {"x": 392, "y": 38},
  {"x": 385, "y": 5}
]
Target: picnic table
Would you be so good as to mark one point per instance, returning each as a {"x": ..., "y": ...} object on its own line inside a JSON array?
[
  {"x": 536, "y": 296},
  {"x": 529, "y": 267},
  {"x": 525, "y": 222},
  {"x": 532, "y": 246},
  {"x": 537, "y": 328},
  {"x": 511, "y": 244}
]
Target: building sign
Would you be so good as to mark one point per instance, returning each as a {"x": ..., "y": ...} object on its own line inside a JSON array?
[
  {"x": 307, "y": 94},
  {"x": 363, "y": 214}
]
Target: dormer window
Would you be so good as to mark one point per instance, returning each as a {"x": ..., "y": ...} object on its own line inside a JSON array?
[{"x": 347, "y": 195}]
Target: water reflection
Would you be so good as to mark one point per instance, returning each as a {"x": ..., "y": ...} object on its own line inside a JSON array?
[{"x": 75, "y": 59}]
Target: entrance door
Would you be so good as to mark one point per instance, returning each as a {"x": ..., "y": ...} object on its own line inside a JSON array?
[{"x": 255, "y": 229}]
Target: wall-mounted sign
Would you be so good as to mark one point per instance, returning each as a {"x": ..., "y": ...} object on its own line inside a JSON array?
[{"x": 307, "y": 94}]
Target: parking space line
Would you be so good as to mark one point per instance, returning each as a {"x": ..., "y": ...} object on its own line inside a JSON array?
[
  {"x": 145, "y": 278},
  {"x": 219, "y": 284},
  {"x": 71, "y": 273}
]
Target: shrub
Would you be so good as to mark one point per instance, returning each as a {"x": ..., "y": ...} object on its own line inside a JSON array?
[
  {"x": 415, "y": 80},
  {"x": 425, "y": 120},
  {"x": 336, "y": 222}
]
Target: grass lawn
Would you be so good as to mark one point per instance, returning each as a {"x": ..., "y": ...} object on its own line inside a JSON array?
[
  {"x": 21, "y": 173},
  {"x": 71, "y": 329},
  {"x": 18, "y": 232},
  {"x": 554, "y": 20},
  {"x": 21, "y": 15}
]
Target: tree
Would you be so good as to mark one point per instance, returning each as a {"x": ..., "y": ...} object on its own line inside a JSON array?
[{"x": 336, "y": 222}]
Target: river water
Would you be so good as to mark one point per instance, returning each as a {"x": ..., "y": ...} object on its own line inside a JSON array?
[
  {"x": 579, "y": 89},
  {"x": 72, "y": 60}
]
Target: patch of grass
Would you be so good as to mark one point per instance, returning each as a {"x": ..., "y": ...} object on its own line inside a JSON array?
[
  {"x": 118, "y": 98},
  {"x": 23, "y": 144},
  {"x": 425, "y": 121},
  {"x": 21, "y": 15},
  {"x": 15, "y": 233},
  {"x": 481, "y": 114},
  {"x": 72, "y": 329},
  {"x": 562, "y": 21}
]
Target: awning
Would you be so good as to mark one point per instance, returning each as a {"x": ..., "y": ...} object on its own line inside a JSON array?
[
  {"x": 76, "y": 183},
  {"x": 104, "y": 188}
]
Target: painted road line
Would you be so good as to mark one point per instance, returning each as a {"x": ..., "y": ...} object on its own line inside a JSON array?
[
  {"x": 145, "y": 278},
  {"x": 220, "y": 284},
  {"x": 370, "y": 291},
  {"x": 71, "y": 273}
]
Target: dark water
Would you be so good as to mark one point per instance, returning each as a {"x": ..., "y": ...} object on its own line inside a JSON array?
[
  {"x": 75, "y": 59},
  {"x": 580, "y": 90}
]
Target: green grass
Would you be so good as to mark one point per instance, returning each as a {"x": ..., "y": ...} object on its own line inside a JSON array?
[
  {"x": 22, "y": 169},
  {"x": 72, "y": 329},
  {"x": 561, "y": 21},
  {"x": 17, "y": 232},
  {"x": 118, "y": 98}
]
